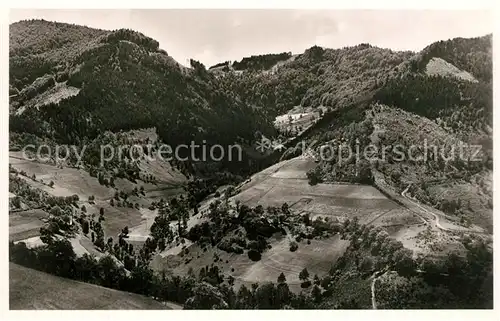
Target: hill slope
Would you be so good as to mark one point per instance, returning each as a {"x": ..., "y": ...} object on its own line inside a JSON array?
[
  {"x": 104, "y": 71},
  {"x": 34, "y": 290},
  {"x": 332, "y": 78}
]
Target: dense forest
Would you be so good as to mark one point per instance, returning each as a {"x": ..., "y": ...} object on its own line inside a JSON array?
[
  {"x": 184, "y": 105},
  {"x": 261, "y": 62},
  {"x": 460, "y": 105},
  {"x": 333, "y": 78}
]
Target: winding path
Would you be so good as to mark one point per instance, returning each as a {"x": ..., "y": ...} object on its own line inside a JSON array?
[
  {"x": 375, "y": 276},
  {"x": 374, "y": 302},
  {"x": 436, "y": 217}
]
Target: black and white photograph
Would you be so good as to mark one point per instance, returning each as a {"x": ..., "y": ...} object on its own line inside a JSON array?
[{"x": 250, "y": 159}]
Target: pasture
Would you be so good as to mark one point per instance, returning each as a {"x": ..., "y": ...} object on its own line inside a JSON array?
[
  {"x": 317, "y": 257},
  {"x": 287, "y": 182},
  {"x": 34, "y": 290},
  {"x": 69, "y": 181},
  {"x": 26, "y": 224}
]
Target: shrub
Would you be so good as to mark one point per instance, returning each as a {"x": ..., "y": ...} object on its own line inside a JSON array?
[
  {"x": 237, "y": 249},
  {"x": 240, "y": 240},
  {"x": 305, "y": 284},
  {"x": 253, "y": 245},
  {"x": 254, "y": 255}
]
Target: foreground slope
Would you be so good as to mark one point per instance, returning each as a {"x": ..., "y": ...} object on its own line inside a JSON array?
[{"x": 34, "y": 290}]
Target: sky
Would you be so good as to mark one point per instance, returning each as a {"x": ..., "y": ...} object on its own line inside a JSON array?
[{"x": 217, "y": 35}]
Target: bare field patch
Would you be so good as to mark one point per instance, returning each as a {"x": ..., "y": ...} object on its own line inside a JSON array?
[
  {"x": 141, "y": 231},
  {"x": 67, "y": 181},
  {"x": 280, "y": 183},
  {"x": 79, "y": 249},
  {"x": 87, "y": 244},
  {"x": 163, "y": 191},
  {"x": 409, "y": 236},
  {"x": 31, "y": 242},
  {"x": 162, "y": 171},
  {"x": 143, "y": 135},
  {"x": 423, "y": 240},
  {"x": 440, "y": 67},
  {"x": 26, "y": 224},
  {"x": 116, "y": 218}
]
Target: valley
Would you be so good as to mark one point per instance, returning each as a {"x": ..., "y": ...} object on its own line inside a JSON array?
[{"x": 284, "y": 228}]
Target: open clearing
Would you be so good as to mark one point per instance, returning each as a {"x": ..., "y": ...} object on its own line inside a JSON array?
[
  {"x": 287, "y": 182},
  {"x": 26, "y": 224},
  {"x": 115, "y": 218},
  {"x": 69, "y": 181},
  {"x": 141, "y": 231},
  {"x": 440, "y": 67},
  {"x": 34, "y": 290},
  {"x": 317, "y": 257},
  {"x": 31, "y": 242},
  {"x": 83, "y": 245}
]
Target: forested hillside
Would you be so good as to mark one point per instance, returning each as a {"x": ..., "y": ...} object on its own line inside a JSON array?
[
  {"x": 125, "y": 82},
  {"x": 444, "y": 112},
  {"x": 332, "y": 78}
]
